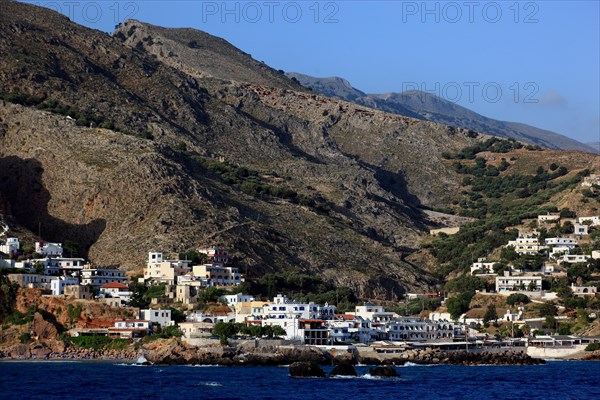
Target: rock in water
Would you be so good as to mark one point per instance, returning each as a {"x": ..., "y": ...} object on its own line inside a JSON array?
[
  {"x": 384, "y": 372},
  {"x": 343, "y": 369},
  {"x": 306, "y": 370}
]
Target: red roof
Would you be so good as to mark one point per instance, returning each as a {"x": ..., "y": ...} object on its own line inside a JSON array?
[
  {"x": 114, "y": 285},
  {"x": 346, "y": 317}
]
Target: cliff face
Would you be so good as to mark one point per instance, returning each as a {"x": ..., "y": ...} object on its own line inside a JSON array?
[{"x": 135, "y": 185}]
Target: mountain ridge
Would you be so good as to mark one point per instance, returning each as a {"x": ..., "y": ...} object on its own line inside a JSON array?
[{"x": 426, "y": 106}]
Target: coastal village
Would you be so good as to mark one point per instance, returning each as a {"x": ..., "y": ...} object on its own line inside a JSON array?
[{"x": 198, "y": 300}]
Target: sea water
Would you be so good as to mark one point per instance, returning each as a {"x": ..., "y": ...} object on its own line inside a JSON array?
[{"x": 104, "y": 380}]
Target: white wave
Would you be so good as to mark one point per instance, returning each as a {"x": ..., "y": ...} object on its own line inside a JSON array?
[
  {"x": 211, "y": 384},
  {"x": 202, "y": 365}
]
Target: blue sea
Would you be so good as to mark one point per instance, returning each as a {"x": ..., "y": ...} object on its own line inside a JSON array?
[{"x": 103, "y": 380}]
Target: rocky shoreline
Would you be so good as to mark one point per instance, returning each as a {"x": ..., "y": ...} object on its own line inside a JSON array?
[{"x": 170, "y": 352}]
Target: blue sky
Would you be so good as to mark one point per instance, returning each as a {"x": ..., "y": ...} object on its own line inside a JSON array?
[{"x": 536, "y": 62}]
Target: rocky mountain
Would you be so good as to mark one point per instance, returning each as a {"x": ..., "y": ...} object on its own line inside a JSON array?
[
  {"x": 156, "y": 139},
  {"x": 429, "y": 107}
]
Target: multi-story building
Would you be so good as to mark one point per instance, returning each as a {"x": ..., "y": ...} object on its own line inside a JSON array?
[
  {"x": 526, "y": 245},
  {"x": 215, "y": 254},
  {"x": 301, "y": 321},
  {"x": 515, "y": 283},
  {"x": 160, "y": 317},
  {"x": 218, "y": 274},
  {"x": 416, "y": 329},
  {"x": 116, "y": 290},
  {"x": 79, "y": 292},
  {"x": 58, "y": 284},
  {"x": 163, "y": 270},
  {"x": 374, "y": 313},
  {"x": 99, "y": 276}
]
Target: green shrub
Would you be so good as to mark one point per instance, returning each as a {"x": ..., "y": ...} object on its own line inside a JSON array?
[{"x": 593, "y": 346}]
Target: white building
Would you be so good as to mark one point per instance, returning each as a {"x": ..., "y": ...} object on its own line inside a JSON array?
[
  {"x": 130, "y": 328},
  {"x": 416, "y": 329},
  {"x": 218, "y": 274},
  {"x": 573, "y": 258},
  {"x": 11, "y": 246},
  {"x": 58, "y": 283},
  {"x": 548, "y": 218},
  {"x": 160, "y": 317},
  {"x": 517, "y": 283},
  {"x": 513, "y": 317},
  {"x": 584, "y": 290},
  {"x": 594, "y": 220},
  {"x": 483, "y": 267},
  {"x": 116, "y": 290},
  {"x": 526, "y": 245},
  {"x": 348, "y": 328},
  {"x": 561, "y": 241},
  {"x": 233, "y": 299},
  {"x": 100, "y": 276},
  {"x": 215, "y": 254},
  {"x": 32, "y": 281},
  {"x": 163, "y": 270},
  {"x": 62, "y": 265},
  {"x": 581, "y": 229},
  {"x": 49, "y": 249},
  {"x": 301, "y": 321},
  {"x": 373, "y": 313}
]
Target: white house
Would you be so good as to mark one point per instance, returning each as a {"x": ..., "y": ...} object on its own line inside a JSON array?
[
  {"x": 513, "y": 317},
  {"x": 98, "y": 276},
  {"x": 526, "y": 245},
  {"x": 233, "y": 299},
  {"x": 11, "y": 246},
  {"x": 130, "y": 328},
  {"x": 373, "y": 313},
  {"x": 483, "y": 267},
  {"x": 573, "y": 258},
  {"x": 516, "y": 283},
  {"x": 160, "y": 317},
  {"x": 62, "y": 265},
  {"x": 58, "y": 283},
  {"x": 581, "y": 229},
  {"x": 561, "y": 241},
  {"x": 116, "y": 290},
  {"x": 548, "y": 218},
  {"x": 594, "y": 220},
  {"x": 49, "y": 249}
]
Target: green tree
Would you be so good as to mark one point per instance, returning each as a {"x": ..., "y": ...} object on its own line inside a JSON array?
[
  {"x": 548, "y": 309},
  {"x": 490, "y": 314},
  {"x": 71, "y": 248},
  {"x": 517, "y": 298},
  {"x": 225, "y": 329},
  {"x": 458, "y": 305}
]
